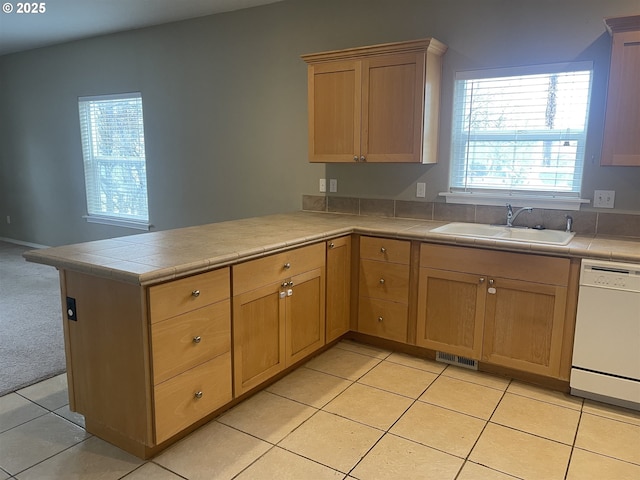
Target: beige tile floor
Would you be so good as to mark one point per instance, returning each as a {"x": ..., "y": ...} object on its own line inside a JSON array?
[{"x": 353, "y": 412}]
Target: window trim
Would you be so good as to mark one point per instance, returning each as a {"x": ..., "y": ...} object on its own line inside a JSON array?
[
  {"x": 117, "y": 222},
  {"x": 498, "y": 197},
  {"x": 106, "y": 219}
]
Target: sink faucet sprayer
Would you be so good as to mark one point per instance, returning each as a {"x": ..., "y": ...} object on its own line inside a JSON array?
[{"x": 511, "y": 217}]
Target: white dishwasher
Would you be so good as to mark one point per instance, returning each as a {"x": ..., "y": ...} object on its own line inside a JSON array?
[{"x": 606, "y": 349}]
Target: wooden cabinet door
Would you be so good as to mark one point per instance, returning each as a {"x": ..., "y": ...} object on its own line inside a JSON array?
[
  {"x": 258, "y": 336},
  {"x": 338, "y": 290},
  {"x": 334, "y": 98},
  {"x": 524, "y": 323},
  {"x": 305, "y": 325},
  {"x": 450, "y": 312},
  {"x": 392, "y": 107},
  {"x": 621, "y": 145}
]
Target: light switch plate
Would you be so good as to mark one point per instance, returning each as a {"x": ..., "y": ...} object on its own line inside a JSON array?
[
  {"x": 421, "y": 190},
  {"x": 604, "y": 198},
  {"x": 333, "y": 185},
  {"x": 323, "y": 185}
]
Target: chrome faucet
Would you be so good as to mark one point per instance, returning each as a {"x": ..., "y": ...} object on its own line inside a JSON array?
[
  {"x": 569, "y": 222},
  {"x": 511, "y": 217}
]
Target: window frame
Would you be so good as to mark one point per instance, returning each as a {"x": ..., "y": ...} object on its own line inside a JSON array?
[
  {"x": 553, "y": 199},
  {"x": 91, "y": 169}
]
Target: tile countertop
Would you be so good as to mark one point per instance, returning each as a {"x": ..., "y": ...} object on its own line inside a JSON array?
[{"x": 155, "y": 257}]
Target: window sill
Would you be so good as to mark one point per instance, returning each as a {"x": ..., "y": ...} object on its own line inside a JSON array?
[
  {"x": 117, "y": 222},
  {"x": 500, "y": 199}
]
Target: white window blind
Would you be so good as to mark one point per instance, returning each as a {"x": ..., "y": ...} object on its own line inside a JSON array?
[
  {"x": 112, "y": 131},
  {"x": 521, "y": 130}
]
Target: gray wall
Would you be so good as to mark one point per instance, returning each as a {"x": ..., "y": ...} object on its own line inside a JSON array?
[{"x": 225, "y": 105}]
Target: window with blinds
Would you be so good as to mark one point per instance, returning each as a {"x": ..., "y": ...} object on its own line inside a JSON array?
[
  {"x": 112, "y": 131},
  {"x": 521, "y": 130}
]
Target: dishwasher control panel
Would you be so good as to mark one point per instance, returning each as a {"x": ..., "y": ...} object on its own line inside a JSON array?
[{"x": 623, "y": 276}]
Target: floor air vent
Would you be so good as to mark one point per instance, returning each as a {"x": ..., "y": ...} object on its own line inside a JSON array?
[{"x": 457, "y": 360}]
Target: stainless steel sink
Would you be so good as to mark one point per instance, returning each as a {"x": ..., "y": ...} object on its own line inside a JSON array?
[{"x": 500, "y": 232}]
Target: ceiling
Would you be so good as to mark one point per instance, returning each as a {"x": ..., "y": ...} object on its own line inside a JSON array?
[{"x": 66, "y": 20}]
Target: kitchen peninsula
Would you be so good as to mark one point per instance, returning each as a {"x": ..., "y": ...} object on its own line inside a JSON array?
[{"x": 165, "y": 330}]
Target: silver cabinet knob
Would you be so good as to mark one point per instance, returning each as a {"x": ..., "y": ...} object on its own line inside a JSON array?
[
  {"x": 362, "y": 158},
  {"x": 197, "y": 395},
  {"x": 197, "y": 339},
  {"x": 380, "y": 318},
  {"x": 286, "y": 266},
  {"x": 355, "y": 158},
  {"x": 195, "y": 293},
  {"x": 491, "y": 282},
  {"x": 332, "y": 245},
  {"x": 382, "y": 281},
  {"x": 383, "y": 250},
  {"x": 481, "y": 279}
]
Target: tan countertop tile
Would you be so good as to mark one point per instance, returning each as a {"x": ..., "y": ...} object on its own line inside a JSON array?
[{"x": 153, "y": 257}]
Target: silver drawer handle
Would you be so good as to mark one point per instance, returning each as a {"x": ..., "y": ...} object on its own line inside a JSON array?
[
  {"x": 197, "y": 395},
  {"x": 287, "y": 266},
  {"x": 383, "y": 250},
  {"x": 382, "y": 281},
  {"x": 380, "y": 318},
  {"x": 197, "y": 339},
  {"x": 195, "y": 293}
]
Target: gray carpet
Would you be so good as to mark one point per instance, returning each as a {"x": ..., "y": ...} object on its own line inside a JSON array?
[{"x": 31, "y": 337}]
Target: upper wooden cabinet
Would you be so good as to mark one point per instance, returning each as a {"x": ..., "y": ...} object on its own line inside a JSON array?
[
  {"x": 621, "y": 144},
  {"x": 375, "y": 104}
]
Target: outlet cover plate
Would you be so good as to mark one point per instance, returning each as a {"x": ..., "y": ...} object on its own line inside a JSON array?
[
  {"x": 333, "y": 185},
  {"x": 604, "y": 198},
  {"x": 421, "y": 190}
]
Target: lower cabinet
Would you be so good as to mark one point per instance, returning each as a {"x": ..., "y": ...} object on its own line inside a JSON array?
[
  {"x": 281, "y": 321},
  {"x": 523, "y": 326},
  {"x": 192, "y": 395},
  {"x": 503, "y": 308},
  {"x": 338, "y": 311},
  {"x": 146, "y": 363},
  {"x": 383, "y": 300},
  {"x": 143, "y": 364},
  {"x": 451, "y": 312}
]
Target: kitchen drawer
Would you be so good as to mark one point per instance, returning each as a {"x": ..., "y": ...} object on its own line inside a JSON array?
[
  {"x": 383, "y": 319},
  {"x": 386, "y": 281},
  {"x": 176, "y": 401},
  {"x": 385, "y": 250},
  {"x": 190, "y": 339},
  {"x": 275, "y": 268},
  {"x": 179, "y": 296},
  {"x": 516, "y": 266}
]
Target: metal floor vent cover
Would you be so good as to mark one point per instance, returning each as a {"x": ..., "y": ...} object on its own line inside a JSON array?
[{"x": 457, "y": 360}]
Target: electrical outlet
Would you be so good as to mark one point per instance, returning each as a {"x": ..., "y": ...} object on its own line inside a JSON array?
[
  {"x": 604, "y": 198},
  {"x": 323, "y": 184},
  {"x": 8, "y": 219},
  {"x": 333, "y": 185},
  {"x": 421, "y": 190}
]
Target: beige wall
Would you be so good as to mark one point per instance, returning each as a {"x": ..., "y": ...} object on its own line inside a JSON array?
[{"x": 225, "y": 105}]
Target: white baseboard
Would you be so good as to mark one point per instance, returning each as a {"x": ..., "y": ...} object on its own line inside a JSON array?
[{"x": 20, "y": 242}]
